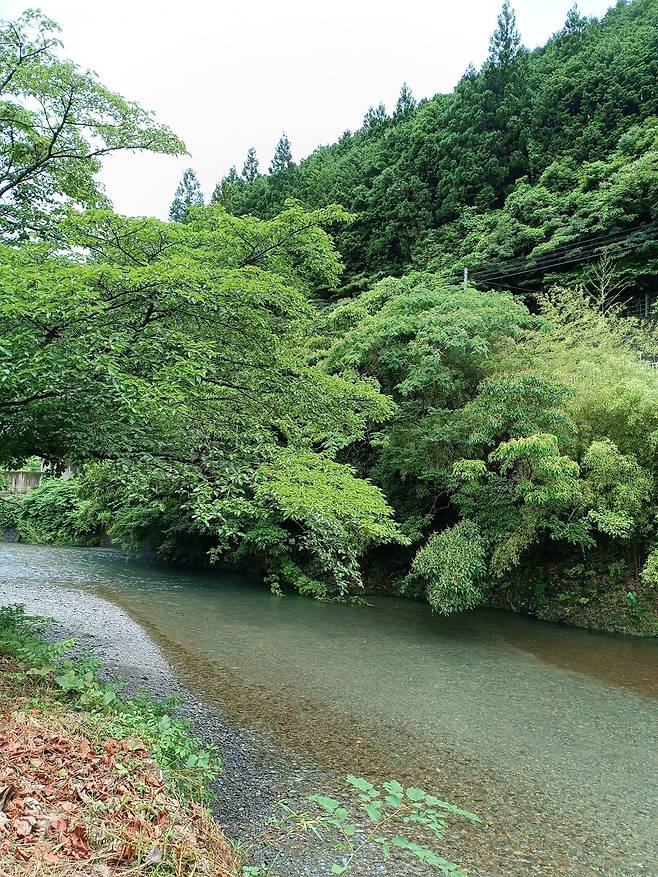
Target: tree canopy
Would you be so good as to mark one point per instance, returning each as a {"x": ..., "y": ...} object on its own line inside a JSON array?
[
  {"x": 56, "y": 124},
  {"x": 173, "y": 354},
  {"x": 406, "y": 175}
]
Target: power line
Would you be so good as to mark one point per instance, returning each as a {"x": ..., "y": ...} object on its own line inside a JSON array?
[
  {"x": 587, "y": 247},
  {"x": 549, "y": 259},
  {"x": 536, "y": 269},
  {"x": 588, "y": 241}
]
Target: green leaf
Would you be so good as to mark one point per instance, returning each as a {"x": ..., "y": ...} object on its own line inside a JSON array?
[
  {"x": 373, "y": 811},
  {"x": 359, "y": 783},
  {"x": 324, "y": 801}
]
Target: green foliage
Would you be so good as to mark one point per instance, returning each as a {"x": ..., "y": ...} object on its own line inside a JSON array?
[
  {"x": 406, "y": 103},
  {"x": 10, "y": 505},
  {"x": 187, "y": 195},
  {"x": 218, "y": 415},
  {"x": 452, "y": 565},
  {"x": 250, "y": 167},
  {"x": 57, "y": 123},
  {"x": 398, "y": 821},
  {"x": 508, "y": 422},
  {"x": 175, "y": 353},
  {"x": 505, "y": 41},
  {"x": 227, "y": 191},
  {"x": 532, "y": 484},
  {"x": 649, "y": 572},
  {"x": 52, "y": 513},
  {"x": 340, "y": 515},
  {"x": 567, "y": 218},
  {"x": 282, "y": 159},
  {"x": 524, "y": 120},
  {"x": 620, "y": 490}
]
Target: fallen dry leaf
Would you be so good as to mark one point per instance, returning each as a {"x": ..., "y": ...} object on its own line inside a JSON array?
[{"x": 7, "y": 792}]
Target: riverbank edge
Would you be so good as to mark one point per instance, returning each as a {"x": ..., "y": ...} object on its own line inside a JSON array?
[
  {"x": 629, "y": 608},
  {"x": 558, "y": 596},
  {"x": 137, "y": 747},
  {"x": 36, "y": 699}
]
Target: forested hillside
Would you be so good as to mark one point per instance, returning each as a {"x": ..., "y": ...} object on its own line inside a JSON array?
[
  {"x": 520, "y": 456},
  {"x": 445, "y": 438},
  {"x": 534, "y": 151}
]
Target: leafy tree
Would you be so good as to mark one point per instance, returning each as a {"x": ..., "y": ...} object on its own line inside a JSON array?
[
  {"x": 172, "y": 353},
  {"x": 508, "y": 445},
  {"x": 56, "y": 124},
  {"x": 585, "y": 96},
  {"x": 591, "y": 224},
  {"x": 188, "y": 194}
]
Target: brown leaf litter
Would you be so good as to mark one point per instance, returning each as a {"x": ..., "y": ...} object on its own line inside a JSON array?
[{"x": 72, "y": 805}]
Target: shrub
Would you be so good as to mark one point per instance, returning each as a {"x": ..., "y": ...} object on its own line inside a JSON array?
[{"x": 452, "y": 564}]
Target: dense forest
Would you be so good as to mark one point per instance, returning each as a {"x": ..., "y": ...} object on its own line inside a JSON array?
[
  {"x": 537, "y": 159},
  {"x": 421, "y": 359}
]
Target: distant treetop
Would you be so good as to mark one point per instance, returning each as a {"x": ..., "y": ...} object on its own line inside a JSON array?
[{"x": 188, "y": 194}]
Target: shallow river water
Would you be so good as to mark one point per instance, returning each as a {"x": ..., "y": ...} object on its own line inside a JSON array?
[{"x": 549, "y": 733}]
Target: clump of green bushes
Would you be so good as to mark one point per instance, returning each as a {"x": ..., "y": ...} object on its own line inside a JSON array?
[{"x": 54, "y": 513}]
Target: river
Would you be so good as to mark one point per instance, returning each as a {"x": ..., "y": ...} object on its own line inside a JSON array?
[{"x": 547, "y": 732}]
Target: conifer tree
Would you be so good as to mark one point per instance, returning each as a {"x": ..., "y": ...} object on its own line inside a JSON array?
[
  {"x": 188, "y": 194},
  {"x": 250, "y": 167},
  {"x": 406, "y": 102},
  {"x": 282, "y": 158},
  {"x": 375, "y": 117},
  {"x": 505, "y": 40},
  {"x": 575, "y": 22},
  {"x": 227, "y": 190}
]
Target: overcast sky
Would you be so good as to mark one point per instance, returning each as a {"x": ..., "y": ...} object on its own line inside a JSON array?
[{"x": 227, "y": 75}]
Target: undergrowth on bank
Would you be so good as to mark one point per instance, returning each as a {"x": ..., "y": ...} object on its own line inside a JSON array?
[{"x": 189, "y": 764}]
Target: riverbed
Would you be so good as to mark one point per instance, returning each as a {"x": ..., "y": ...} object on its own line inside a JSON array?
[{"x": 548, "y": 733}]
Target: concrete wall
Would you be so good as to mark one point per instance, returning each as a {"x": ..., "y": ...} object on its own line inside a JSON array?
[{"x": 22, "y": 480}]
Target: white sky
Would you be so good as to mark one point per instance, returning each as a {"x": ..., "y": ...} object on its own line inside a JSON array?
[{"x": 226, "y": 75}]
